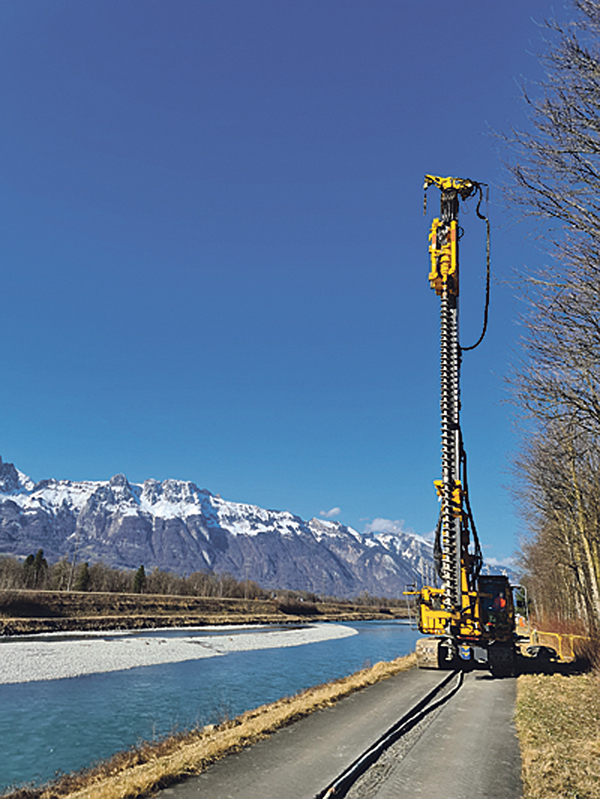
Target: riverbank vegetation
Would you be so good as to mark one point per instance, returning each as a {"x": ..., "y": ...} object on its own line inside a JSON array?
[
  {"x": 555, "y": 168},
  {"x": 144, "y": 769},
  {"x": 34, "y": 573},
  {"x": 34, "y": 598},
  {"x": 25, "y": 612}
]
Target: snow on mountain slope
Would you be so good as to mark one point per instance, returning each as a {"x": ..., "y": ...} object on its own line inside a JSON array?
[
  {"x": 12, "y": 480},
  {"x": 176, "y": 526},
  {"x": 325, "y": 530}
]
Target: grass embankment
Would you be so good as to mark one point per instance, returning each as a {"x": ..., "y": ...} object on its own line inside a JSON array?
[
  {"x": 23, "y": 612},
  {"x": 151, "y": 766},
  {"x": 558, "y": 724}
]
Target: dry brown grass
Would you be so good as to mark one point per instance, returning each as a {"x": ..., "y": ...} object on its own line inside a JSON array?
[
  {"x": 26, "y": 612},
  {"x": 139, "y": 772},
  {"x": 558, "y": 723}
]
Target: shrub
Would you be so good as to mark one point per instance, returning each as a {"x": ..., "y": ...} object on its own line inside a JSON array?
[
  {"x": 296, "y": 607},
  {"x": 139, "y": 581},
  {"x": 83, "y": 578},
  {"x": 587, "y": 653}
]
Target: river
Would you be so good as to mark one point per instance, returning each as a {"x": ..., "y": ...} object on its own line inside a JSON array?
[{"x": 59, "y": 725}]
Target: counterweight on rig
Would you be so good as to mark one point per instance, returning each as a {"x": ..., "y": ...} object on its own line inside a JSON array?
[{"x": 471, "y": 617}]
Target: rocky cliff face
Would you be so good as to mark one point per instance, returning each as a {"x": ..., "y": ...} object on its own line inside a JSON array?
[{"x": 176, "y": 526}]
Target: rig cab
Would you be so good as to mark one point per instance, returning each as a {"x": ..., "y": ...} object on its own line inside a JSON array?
[{"x": 471, "y": 617}]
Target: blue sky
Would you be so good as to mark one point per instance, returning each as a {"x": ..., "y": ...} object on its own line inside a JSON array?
[{"x": 214, "y": 258}]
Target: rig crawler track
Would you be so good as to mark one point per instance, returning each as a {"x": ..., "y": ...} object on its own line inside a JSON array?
[{"x": 417, "y": 715}]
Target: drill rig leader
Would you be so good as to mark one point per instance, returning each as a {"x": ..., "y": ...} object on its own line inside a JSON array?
[{"x": 471, "y": 617}]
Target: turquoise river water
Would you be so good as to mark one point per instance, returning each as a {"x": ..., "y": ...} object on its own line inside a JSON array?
[{"x": 57, "y": 726}]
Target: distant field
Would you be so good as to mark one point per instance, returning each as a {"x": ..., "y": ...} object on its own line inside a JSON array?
[{"x": 23, "y": 611}]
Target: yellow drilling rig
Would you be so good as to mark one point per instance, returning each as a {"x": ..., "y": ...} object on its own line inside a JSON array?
[{"x": 470, "y": 619}]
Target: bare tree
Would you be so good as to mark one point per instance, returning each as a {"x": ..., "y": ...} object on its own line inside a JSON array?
[
  {"x": 557, "y": 486},
  {"x": 555, "y": 168}
]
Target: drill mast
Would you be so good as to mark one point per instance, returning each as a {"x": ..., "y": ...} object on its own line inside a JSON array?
[
  {"x": 444, "y": 280},
  {"x": 470, "y": 619}
]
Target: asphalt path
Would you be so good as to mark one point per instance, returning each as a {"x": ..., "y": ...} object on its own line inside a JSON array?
[{"x": 469, "y": 748}]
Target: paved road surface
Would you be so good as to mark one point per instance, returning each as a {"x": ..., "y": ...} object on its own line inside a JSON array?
[{"x": 468, "y": 750}]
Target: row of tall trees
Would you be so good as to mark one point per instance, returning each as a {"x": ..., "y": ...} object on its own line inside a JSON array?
[
  {"x": 555, "y": 167},
  {"x": 35, "y": 573}
]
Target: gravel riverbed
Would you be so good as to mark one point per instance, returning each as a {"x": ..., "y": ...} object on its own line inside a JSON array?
[{"x": 58, "y": 656}]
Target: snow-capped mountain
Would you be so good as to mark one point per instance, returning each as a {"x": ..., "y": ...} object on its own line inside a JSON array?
[{"x": 176, "y": 526}]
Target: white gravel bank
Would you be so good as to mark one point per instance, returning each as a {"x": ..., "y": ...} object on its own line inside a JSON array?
[{"x": 54, "y": 658}]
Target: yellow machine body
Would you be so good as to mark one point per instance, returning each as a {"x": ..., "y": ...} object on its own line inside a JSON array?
[
  {"x": 471, "y": 616},
  {"x": 444, "y": 260},
  {"x": 485, "y": 615}
]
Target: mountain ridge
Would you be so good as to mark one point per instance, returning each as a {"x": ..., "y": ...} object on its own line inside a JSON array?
[{"x": 175, "y": 526}]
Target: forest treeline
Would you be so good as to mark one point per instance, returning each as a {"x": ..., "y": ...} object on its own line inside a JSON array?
[
  {"x": 555, "y": 168},
  {"x": 35, "y": 573}
]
